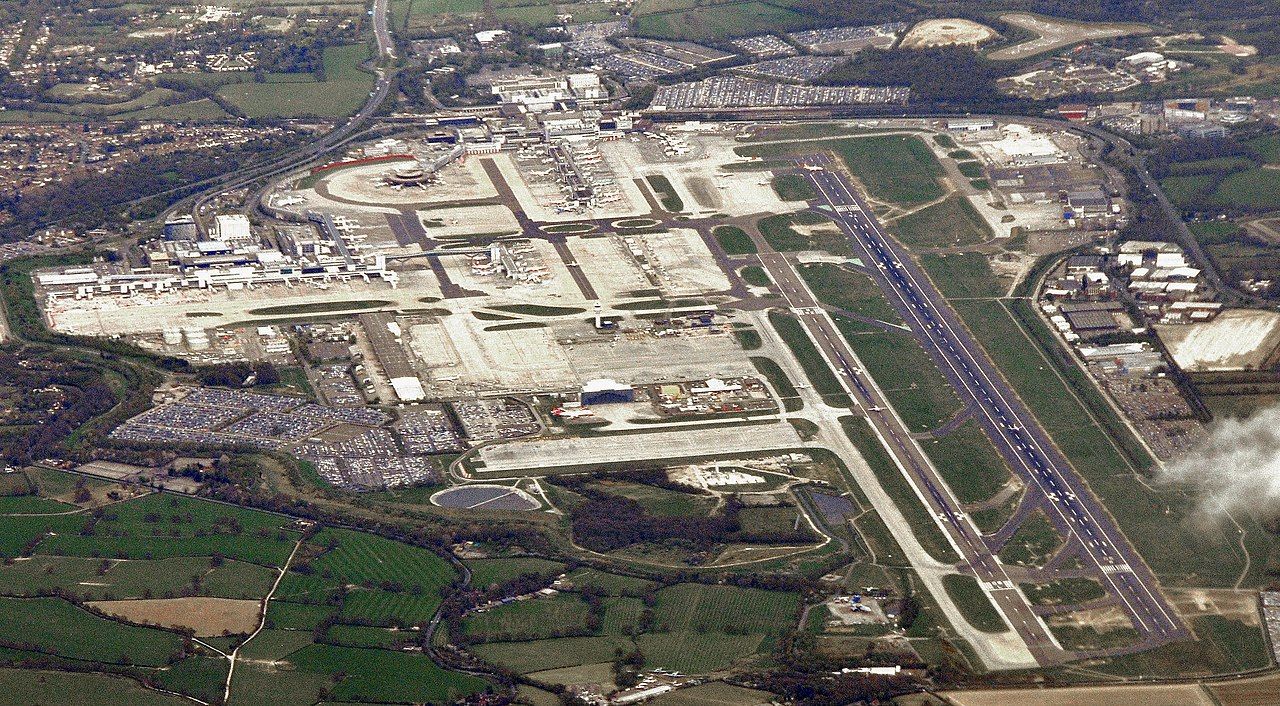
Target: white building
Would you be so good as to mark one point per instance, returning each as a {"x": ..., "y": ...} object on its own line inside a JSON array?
[{"x": 232, "y": 228}]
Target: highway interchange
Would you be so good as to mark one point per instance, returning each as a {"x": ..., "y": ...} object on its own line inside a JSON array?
[{"x": 1017, "y": 435}]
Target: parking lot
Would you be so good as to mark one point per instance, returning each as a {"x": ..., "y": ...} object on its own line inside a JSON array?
[{"x": 732, "y": 92}]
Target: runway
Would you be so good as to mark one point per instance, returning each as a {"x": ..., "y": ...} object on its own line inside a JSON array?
[{"x": 1014, "y": 431}]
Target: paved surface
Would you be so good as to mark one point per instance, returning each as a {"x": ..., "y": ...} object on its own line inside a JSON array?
[{"x": 1017, "y": 435}]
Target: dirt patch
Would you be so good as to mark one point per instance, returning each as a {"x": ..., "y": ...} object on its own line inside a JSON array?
[
  {"x": 1102, "y": 619},
  {"x": 1171, "y": 695},
  {"x": 1232, "y": 605},
  {"x": 1239, "y": 339},
  {"x": 948, "y": 32},
  {"x": 207, "y": 616}
]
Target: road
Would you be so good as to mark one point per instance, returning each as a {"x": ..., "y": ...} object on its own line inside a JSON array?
[{"x": 1016, "y": 433}]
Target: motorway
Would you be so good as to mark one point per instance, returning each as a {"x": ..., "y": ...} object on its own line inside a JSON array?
[{"x": 1021, "y": 441}]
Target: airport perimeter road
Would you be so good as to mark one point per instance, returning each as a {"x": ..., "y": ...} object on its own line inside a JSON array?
[{"x": 1011, "y": 426}]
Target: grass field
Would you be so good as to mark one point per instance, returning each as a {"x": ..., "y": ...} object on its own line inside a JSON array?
[
  {"x": 390, "y": 607},
  {"x": 1224, "y": 646},
  {"x": 540, "y": 655},
  {"x": 906, "y": 374},
  {"x": 963, "y": 275},
  {"x": 734, "y": 240},
  {"x": 948, "y": 223},
  {"x": 319, "y": 307},
  {"x": 659, "y": 501},
  {"x": 780, "y": 232},
  {"x": 57, "y": 627},
  {"x": 899, "y": 490},
  {"x": 361, "y": 636},
  {"x": 755, "y": 276},
  {"x": 973, "y": 603},
  {"x": 23, "y": 686},
  {"x": 283, "y": 615},
  {"x": 368, "y": 560},
  {"x": 699, "y": 627},
  {"x": 969, "y": 463},
  {"x": 793, "y": 187},
  {"x": 162, "y": 526},
  {"x": 613, "y": 584},
  {"x": 531, "y": 619},
  {"x": 343, "y": 91},
  {"x": 97, "y": 579},
  {"x": 846, "y": 289},
  {"x": 417, "y": 678},
  {"x": 720, "y": 21},
  {"x": 666, "y": 193},
  {"x": 486, "y": 572},
  {"x": 895, "y": 169},
  {"x": 1033, "y": 543}
]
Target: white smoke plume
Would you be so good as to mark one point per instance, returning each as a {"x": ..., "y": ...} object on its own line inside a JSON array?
[{"x": 1236, "y": 467}]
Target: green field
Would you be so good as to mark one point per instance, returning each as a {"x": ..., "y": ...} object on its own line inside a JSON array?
[
  {"x": 1068, "y": 591},
  {"x": 98, "y": 579},
  {"x": 970, "y": 169},
  {"x": 843, "y": 288},
  {"x": 539, "y": 655},
  {"x": 734, "y": 240},
  {"x": 659, "y": 501},
  {"x": 895, "y": 169},
  {"x": 948, "y": 223},
  {"x": 1033, "y": 543},
  {"x": 360, "y": 558},
  {"x": 720, "y": 21},
  {"x": 55, "y": 626},
  {"x": 781, "y": 233},
  {"x": 700, "y": 628},
  {"x": 666, "y": 193},
  {"x": 530, "y": 619},
  {"x": 963, "y": 275},
  {"x": 969, "y": 463},
  {"x": 319, "y": 307},
  {"x": 538, "y": 309},
  {"x": 23, "y": 686},
  {"x": 487, "y": 572},
  {"x": 613, "y": 584},
  {"x": 162, "y": 526},
  {"x": 756, "y": 276},
  {"x": 417, "y": 678},
  {"x": 973, "y": 603},
  {"x": 343, "y": 91},
  {"x": 793, "y": 187}
]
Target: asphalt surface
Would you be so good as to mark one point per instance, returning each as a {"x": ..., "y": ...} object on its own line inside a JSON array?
[{"x": 1015, "y": 432}]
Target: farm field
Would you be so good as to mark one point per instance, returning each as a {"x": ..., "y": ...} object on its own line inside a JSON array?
[
  {"x": 487, "y": 572},
  {"x": 24, "y": 686},
  {"x": 192, "y": 563},
  {"x": 719, "y": 21}
]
